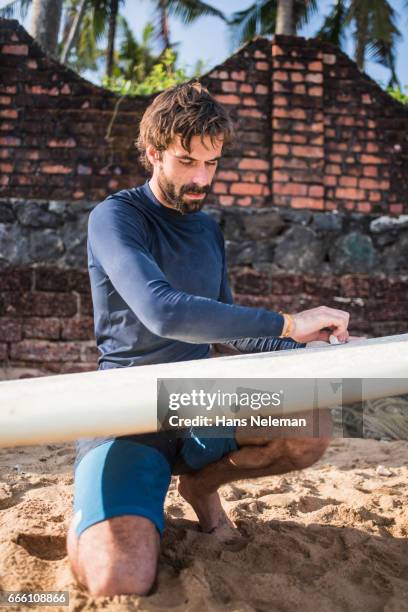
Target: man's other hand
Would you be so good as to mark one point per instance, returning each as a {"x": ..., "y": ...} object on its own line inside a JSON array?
[{"x": 319, "y": 324}]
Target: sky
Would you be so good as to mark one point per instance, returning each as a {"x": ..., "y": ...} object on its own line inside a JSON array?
[{"x": 209, "y": 39}]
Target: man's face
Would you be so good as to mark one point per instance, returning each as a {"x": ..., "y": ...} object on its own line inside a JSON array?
[{"x": 184, "y": 177}]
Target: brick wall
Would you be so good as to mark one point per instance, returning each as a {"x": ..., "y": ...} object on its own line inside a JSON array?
[
  {"x": 312, "y": 131},
  {"x": 320, "y": 155}
]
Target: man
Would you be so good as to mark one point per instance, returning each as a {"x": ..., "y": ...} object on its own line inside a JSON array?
[{"x": 160, "y": 293}]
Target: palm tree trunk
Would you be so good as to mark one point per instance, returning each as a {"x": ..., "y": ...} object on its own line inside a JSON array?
[
  {"x": 73, "y": 31},
  {"x": 164, "y": 24},
  {"x": 45, "y": 23},
  {"x": 113, "y": 17},
  {"x": 361, "y": 43},
  {"x": 284, "y": 18}
]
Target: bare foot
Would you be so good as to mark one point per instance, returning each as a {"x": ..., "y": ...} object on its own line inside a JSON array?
[{"x": 207, "y": 506}]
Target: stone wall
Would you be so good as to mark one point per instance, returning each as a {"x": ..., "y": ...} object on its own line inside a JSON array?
[{"x": 278, "y": 258}]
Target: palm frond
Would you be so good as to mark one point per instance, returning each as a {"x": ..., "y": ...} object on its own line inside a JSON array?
[
  {"x": 16, "y": 8},
  {"x": 303, "y": 10},
  {"x": 258, "y": 19},
  {"x": 333, "y": 28},
  {"x": 191, "y": 10}
]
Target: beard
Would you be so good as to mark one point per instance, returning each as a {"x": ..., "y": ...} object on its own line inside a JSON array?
[{"x": 177, "y": 198}]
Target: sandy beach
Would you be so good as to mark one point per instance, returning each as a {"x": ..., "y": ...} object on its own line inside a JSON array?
[{"x": 331, "y": 537}]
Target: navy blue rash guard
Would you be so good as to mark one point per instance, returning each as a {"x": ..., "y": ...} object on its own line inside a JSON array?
[{"x": 160, "y": 287}]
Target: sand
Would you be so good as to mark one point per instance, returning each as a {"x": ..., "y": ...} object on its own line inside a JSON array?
[{"x": 332, "y": 537}]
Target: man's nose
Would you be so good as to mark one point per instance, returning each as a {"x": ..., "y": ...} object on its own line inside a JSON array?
[{"x": 201, "y": 177}]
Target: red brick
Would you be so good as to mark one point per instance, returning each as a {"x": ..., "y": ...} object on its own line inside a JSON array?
[
  {"x": 348, "y": 181},
  {"x": 39, "y": 90},
  {"x": 62, "y": 142},
  {"x": 15, "y": 279},
  {"x": 293, "y": 65},
  {"x": 246, "y": 201},
  {"x": 3, "y": 352},
  {"x": 6, "y": 100},
  {"x": 307, "y": 203},
  {"x": 226, "y": 200},
  {"x": 41, "y": 350},
  {"x": 262, "y": 65},
  {"x": 253, "y": 164},
  {"x": 261, "y": 89},
  {"x": 250, "y": 112},
  {"x": 238, "y": 75},
  {"x": 329, "y": 58},
  {"x": 32, "y": 64},
  {"x": 349, "y": 193},
  {"x": 6, "y": 168},
  {"x": 249, "y": 101},
  {"x": 15, "y": 49},
  {"x": 36, "y": 303},
  {"x": 280, "y": 176},
  {"x": 372, "y": 159},
  {"x": 280, "y": 75},
  {"x": 315, "y": 91},
  {"x": 55, "y": 169},
  {"x": 229, "y": 86},
  {"x": 227, "y": 175},
  {"x": 374, "y": 196},
  {"x": 8, "y": 89},
  {"x": 281, "y": 149},
  {"x": 330, "y": 181},
  {"x": 77, "y": 328},
  {"x": 228, "y": 99},
  {"x": 245, "y": 88},
  {"x": 277, "y": 50},
  {"x": 10, "y": 329},
  {"x": 368, "y": 183},
  {"x": 289, "y": 113},
  {"x": 10, "y": 141},
  {"x": 396, "y": 209},
  {"x": 290, "y": 188},
  {"x": 297, "y": 77},
  {"x": 41, "y": 328},
  {"x": 314, "y": 78},
  {"x": 364, "y": 207},
  {"x": 302, "y": 151},
  {"x": 299, "y": 89},
  {"x": 316, "y": 191},
  {"x": 371, "y": 147},
  {"x": 246, "y": 189},
  {"x": 220, "y": 187},
  {"x": 315, "y": 66},
  {"x": 9, "y": 113},
  {"x": 370, "y": 171}
]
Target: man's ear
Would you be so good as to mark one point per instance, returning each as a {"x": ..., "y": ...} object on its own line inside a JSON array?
[{"x": 152, "y": 154}]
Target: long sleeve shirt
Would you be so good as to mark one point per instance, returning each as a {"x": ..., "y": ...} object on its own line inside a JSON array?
[{"x": 160, "y": 286}]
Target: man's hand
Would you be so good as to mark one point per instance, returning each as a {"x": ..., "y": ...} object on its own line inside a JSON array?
[{"x": 319, "y": 324}]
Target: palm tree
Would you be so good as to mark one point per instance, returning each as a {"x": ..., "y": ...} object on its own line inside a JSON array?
[
  {"x": 375, "y": 31},
  {"x": 186, "y": 10},
  {"x": 45, "y": 20},
  {"x": 45, "y": 23},
  {"x": 269, "y": 17},
  {"x": 285, "y": 18}
]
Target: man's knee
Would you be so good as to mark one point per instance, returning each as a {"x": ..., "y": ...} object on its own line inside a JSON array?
[
  {"x": 117, "y": 556},
  {"x": 304, "y": 452}
]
